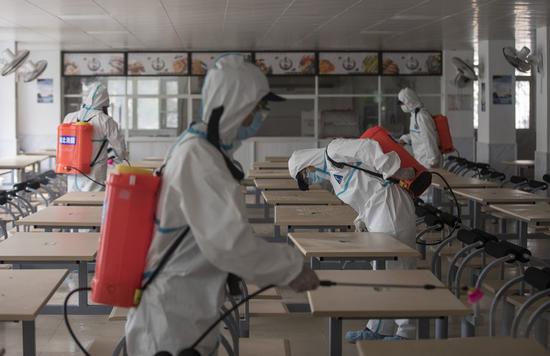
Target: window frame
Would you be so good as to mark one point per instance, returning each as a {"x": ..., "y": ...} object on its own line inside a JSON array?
[{"x": 188, "y": 98}]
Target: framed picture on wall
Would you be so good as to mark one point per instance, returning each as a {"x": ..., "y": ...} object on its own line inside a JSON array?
[
  {"x": 502, "y": 90},
  {"x": 155, "y": 63},
  {"x": 202, "y": 61},
  {"x": 44, "y": 93},
  {"x": 412, "y": 63},
  {"x": 286, "y": 63},
  {"x": 94, "y": 63},
  {"x": 349, "y": 63}
]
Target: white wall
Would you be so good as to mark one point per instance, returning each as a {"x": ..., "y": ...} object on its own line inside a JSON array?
[
  {"x": 497, "y": 127},
  {"x": 8, "y": 124},
  {"x": 497, "y": 123},
  {"x": 37, "y": 122},
  {"x": 461, "y": 116},
  {"x": 542, "y": 153}
]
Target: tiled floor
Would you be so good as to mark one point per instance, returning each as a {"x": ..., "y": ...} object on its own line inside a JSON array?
[{"x": 307, "y": 335}]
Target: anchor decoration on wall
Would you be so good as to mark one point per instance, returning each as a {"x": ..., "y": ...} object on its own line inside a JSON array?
[
  {"x": 349, "y": 64},
  {"x": 158, "y": 64}
]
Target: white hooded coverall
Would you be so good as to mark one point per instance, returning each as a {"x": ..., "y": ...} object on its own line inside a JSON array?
[
  {"x": 382, "y": 206},
  {"x": 198, "y": 190},
  {"x": 105, "y": 128},
  {"x": 422, "y": 134}
]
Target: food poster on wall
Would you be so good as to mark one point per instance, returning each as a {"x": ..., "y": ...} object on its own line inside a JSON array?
[
  {"x": 502, "y": 89},
  {"x": 157, "y": 63},
  {"x": 412, "y": 63},
  {"x": 342, "y": 63},
  {"x": 202, "y": 61},
  {"x": 93, "y": 64},
  {"x": 284, "y": 63},
  {"x": 44, "y": 94}
]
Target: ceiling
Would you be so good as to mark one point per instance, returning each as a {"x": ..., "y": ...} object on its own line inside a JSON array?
[{"x": 268, "y": 24}]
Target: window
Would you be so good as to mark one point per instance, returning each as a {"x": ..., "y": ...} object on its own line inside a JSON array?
[
  {"x": 523, "y": 102},
  {"x": 476, "y": 103},
  {"x": 342, "y": 106}
]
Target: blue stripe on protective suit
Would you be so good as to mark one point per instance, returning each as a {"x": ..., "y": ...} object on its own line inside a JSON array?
[{"x": 348, "y": 179}]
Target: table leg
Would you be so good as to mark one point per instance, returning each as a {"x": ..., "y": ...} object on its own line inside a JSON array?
[
  {"x": 508, "y": 313},
  {"x": 441, "y": 328},
  {"x": 467, "y": 328},
  {"x": 541, "y": 331},
  {"x": 18, "y": 175},
  {"x": 83, "y": 283},
  {"x": 437, "y": 197},
  {"x": 266, "y": 212},
  {"x": 29, "y": 338},
  {"x": 335, "y": 336},
  {"x": 380, "y": 264},
  {"x": 257, "y": 194},
  {"x": 522, "y": 233},
  {"x": 422, "y": 250},
  {"x": 277, "y": 231},
  {"x": 423, "y": 331},
  {"x": 476, "y": 208}
]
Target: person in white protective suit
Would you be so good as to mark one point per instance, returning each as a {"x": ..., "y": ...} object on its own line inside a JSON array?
[
  {"x": 199, "y": 189},
  {"x": 106, "y": 131},
  {"x": 381, "y": 206},
  {"x": 422, "y": 134}
]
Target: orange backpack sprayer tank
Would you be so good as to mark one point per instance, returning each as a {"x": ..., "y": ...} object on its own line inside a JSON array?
[
  {"x": 126, "y": 234},
  {"x": 422, "y": 179},
  {"x": 74, "y": 148},
  {"x": 444, "y": 133}
]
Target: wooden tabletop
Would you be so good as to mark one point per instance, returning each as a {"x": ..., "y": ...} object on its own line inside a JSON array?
[
  {"x": 280, "y": 184},
  {"x": 366, "y": 302},
  {"x": 49, "y": 246},
  {"x": 261, "y": 346},
  {"x": 456, "y": 181},
  {"x": 350, "y": 244},
  {"x": 21, "y": 161},
  {"x": 23, "y": 293},
  {"x": 64, "y": 216},
  {"x": 147, "y": 164},
  {"x": 314, "y": 215},
  {"x": 474, "y": 346},
  {"x": 520, "y": 163},
  {"x": 443, "y": 172},
  {"x": 81, "y": 198},
  {"x": 531, "y": 213},
  {"x": 153, "y": 159},
  {"x": 269, "y": 173},
  {"x": 277, "y": 158},
  {"x": 50, "y": 152},
  {"x": 270, "y": 165},
  {"x": 499, "y": 195},
  {"x": 298, "y": 197}
]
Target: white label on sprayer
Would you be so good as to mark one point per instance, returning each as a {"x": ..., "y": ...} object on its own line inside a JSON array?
[{"x": 132, "y": 180}]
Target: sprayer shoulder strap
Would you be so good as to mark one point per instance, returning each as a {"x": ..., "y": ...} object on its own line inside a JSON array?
[
  {"x": 165, "y": 258},
  {"x": 342, "y": 164},
  {"x": 103, "y": 145}
]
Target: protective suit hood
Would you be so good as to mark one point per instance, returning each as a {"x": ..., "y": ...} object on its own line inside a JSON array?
[
  {"x": 236, "y": 85},
  {"x": 98, "y": 97},
  {"x": 304, "y": 158},
  {"x": 410, "y": 99}
]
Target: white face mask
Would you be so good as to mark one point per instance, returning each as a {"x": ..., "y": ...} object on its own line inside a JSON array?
[{"x": 404, "y": 108}]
